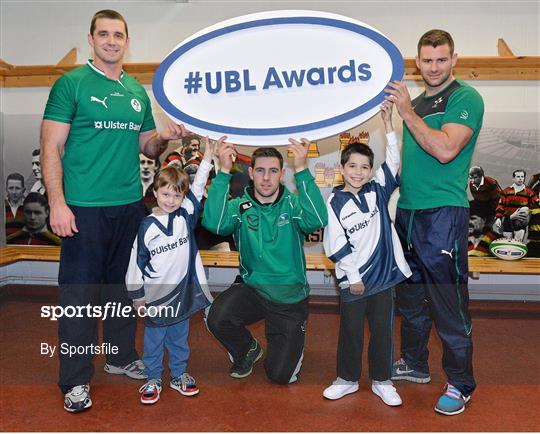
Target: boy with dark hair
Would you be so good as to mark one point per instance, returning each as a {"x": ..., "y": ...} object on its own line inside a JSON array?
[
  {"x": 268, "y": 224},
  {"x": 362, "y": 241}
]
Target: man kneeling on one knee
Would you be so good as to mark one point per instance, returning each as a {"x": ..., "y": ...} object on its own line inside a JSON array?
[{"x": 268, "y": 224}]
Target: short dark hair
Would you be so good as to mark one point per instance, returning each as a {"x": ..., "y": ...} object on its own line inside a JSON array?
[
  {"x": 16, "y": 176},
  {"x": 266, "y": 151},
  {"x": 110, "y": 14},
  {"x": 37, "y": 198},
  {"x": 434, "y": 38},
  {"x": 36, "y": 152},
  {"x": 519, "y": 170},
  {"x": 357, "y": 148}
]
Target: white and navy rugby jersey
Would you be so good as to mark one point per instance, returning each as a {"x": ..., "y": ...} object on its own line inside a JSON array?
[
  {"x": 360, "y": 237},
  {"x": 165, "y": 267}
]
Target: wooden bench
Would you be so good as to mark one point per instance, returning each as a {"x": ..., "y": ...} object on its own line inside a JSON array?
[{"x": 530, "y": 266}]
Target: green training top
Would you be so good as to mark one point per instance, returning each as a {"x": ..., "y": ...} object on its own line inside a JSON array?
[
  {"x": 101, "y": 157},
  {"x": 425, "y": 182},
  {"x": 270, "y": 238}
]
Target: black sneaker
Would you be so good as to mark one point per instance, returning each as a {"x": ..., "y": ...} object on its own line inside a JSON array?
[
  {"x": 77, "y": 399},
  {"x": 402, "y": 371},
  {"x": 243, "y": 367}
]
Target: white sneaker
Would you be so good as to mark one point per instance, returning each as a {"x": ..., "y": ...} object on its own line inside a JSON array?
[
  {"x": 340, "y": 388},
  {"x": 387, "y": 392},
  {"x": 77, "y": 398}
]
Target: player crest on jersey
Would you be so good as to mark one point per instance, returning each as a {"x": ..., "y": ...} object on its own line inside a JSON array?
[
  {"x": 136, "y": 105},
  {"x": 283, "y": 219}
]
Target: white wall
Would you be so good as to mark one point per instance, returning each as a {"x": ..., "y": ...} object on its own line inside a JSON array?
[
  {"x": 42, "y": 32},
  {"x": 52, "y": 28}
]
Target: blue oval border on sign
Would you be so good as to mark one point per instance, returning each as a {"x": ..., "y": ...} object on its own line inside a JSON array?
[{"x": 389, "y": 47}]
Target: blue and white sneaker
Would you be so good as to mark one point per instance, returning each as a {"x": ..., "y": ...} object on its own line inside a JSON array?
[
  {"x": 77, "y": 399},
  {"x": 401, "y": 371},
  {"x": 452, "y": 402}
]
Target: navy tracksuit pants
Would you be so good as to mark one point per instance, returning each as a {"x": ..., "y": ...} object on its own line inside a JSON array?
[
  {"x": 93, "y": 265},
  {"x": 435, "y": 246}
]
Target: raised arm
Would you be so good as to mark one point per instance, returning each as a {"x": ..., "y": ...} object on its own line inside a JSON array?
[
  {"x": 220, "y": 215},
  {"x": 201, "y": 177},
  {"x": 393, "y": 152},
  {"x": 313, "y": 214},
  {"x": 443, "y": 144},
  {"x": 53, "y": 139},
  {"x": 386, "y": 175}
]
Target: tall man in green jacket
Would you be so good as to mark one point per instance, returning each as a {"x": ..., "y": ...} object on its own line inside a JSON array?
[{"x": 268, "y": 224}]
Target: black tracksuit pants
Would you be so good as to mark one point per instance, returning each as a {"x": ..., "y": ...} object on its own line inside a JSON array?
[
  {"x": 379, "y": 310},
  {"x": 241, "y": 305}
]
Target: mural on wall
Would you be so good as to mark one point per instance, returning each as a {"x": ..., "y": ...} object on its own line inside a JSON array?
[
  {"x": 500, "y": 151},
  {"x": 14, "y": 217},
  {"x": 485, "y": 192},
  {"x": 35, "y": 230},
  {"x": 38, "y": 185},
  {"x": 27, "y": 209}
]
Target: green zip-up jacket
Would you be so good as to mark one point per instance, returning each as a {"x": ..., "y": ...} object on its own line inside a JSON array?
[{"x": 270, "y": 237}]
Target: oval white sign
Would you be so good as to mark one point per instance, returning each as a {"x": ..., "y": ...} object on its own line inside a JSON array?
[{"x": 265, "y": 77}]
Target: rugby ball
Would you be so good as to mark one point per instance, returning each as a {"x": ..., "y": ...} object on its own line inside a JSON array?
[{"x": 508, "y": 249}]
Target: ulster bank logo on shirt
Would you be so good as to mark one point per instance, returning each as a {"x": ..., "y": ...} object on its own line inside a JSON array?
[
  {"x": 169, "y": 246},
  {"x": 363, "y": 224},
  {"x": 116, "y": 125}
]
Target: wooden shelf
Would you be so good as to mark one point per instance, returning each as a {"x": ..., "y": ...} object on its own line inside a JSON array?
[
  {"x": 210, "y": 258},
  {"x": 468, "y": 68}
]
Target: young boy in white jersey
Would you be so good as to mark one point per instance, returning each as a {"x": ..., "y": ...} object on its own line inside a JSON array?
[
  {"x": 166, "y": 278},
  {"x": 363, "y": 243}
]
